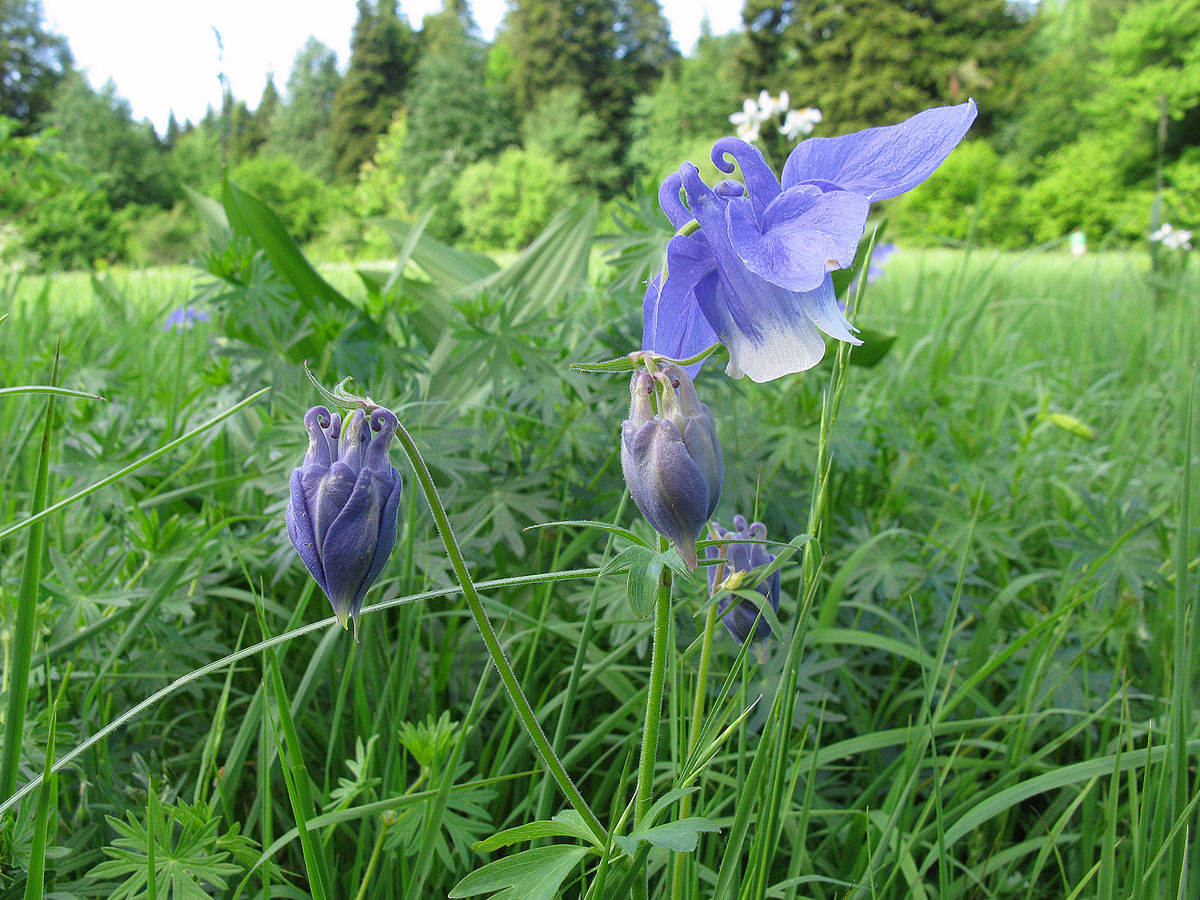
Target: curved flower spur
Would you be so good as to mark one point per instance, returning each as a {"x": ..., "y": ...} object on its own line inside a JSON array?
[
  {"x": 672, "y": 460},
  {"x": 750, "y": 264},
  {"x": 344, "y": 504}
]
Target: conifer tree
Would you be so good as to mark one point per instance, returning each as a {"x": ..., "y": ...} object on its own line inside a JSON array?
[
  {"x": 32, "y": 61},
  {"x": 301, "y": 128},
  {"x": 382, "y": 57},
  {"x": 612, "y": 50},
  {"x": 453, "y": 118},
  {"x": 874, "y": 62}
]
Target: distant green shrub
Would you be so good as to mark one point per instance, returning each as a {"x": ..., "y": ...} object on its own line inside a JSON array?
[
  {"x": 1084, "y": 186},
  {"x": 163, "y": 237},
  {"x": 504, "y": 203},
  {"x": 302, "y": 200},
  {"x": 75, "y": 229},
  {"x": 970, "y": 197},
  {"x": 1181, "y": 199}
]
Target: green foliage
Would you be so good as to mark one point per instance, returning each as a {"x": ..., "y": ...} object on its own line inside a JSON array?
[
  {"x": 381, "y": 181},
  {"x": 383, "y": 53},
  {"x": 970, "y": 198},
  {"x": 874, "y": 62},
  {"x": 32, "y": 62},
  {"x": 98, "y": 134},
  {"x": 1103, "y": 204},
  {"x": 163, "y": 237},
  {"x": 453, "y": 120},
  {"x": 195, "y": 160},
  {"x": 75, "y": 229},
  {"x": 505, "y": 203},
  {"x": 690, "y": 106},
  {"x": 562, "y": 128},
  {"x": 1181, "y": 199},
  {"x": 301, "y": 128},
  {"x": 303, "y": 201},
  {"x": 611, "y": 50},
  {"x": 191, "y": 854}
]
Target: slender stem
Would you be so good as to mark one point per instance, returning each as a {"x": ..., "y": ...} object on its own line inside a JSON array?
[
  {"x": 26, "y": 618},
  {"x": 654, "y": 694},
  {"x": 524, "y": 711},
  {"x": 694, "y": 727}
]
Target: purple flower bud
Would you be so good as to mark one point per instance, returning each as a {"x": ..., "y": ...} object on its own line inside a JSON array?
[
  {"x": 740, "y": 616},
  {"x": 344, "y": 504},
  {"x": 672, "y": 461}
]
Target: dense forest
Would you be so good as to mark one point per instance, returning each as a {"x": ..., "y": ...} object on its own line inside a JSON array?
[{"x": 1089, "y": 120}]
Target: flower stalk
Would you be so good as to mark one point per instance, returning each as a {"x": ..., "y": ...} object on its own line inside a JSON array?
[
  {"x": 654, "y": 695},
  {"x": 532, "y": 727}
]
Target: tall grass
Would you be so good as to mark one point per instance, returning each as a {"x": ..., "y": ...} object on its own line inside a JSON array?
[{"x": 982, "y": 683}]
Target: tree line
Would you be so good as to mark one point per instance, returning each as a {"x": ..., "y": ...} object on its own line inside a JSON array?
[{"x": 1089, "y": 119}]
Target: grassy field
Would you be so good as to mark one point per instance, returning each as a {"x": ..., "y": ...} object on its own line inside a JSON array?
[{"x": 984, "y": 684}]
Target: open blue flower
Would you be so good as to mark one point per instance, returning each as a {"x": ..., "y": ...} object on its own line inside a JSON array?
[{"x": 755, "y": 274}]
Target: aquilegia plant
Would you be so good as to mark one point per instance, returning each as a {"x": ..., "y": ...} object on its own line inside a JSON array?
[
  {"x": 672, "y": 461},
  {"x": 344, "y": 504},
  {"x": 742, "y": 617},
  {"x": 750, "y": 264}
]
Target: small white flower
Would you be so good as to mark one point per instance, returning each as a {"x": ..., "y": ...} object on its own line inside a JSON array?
[
  {"x": 1172, "y": 238},
  {"x": 750, "y": 114},
  {"x": 748, "y": 131},
  {"x": 800, "y": 122},
  {"x": 748, "y": 120},
  {"x": 773, "y": 106}
]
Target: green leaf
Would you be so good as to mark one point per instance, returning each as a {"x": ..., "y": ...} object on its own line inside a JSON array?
[
  {"x": 567, "y": 823},
  {"x": 211, "y": 213},
  {"x": 626, "y": 558},
  {"x": 250, "y": 216},
  {"x": 530, "y": 875},
  {"x": 681, "y": 836},
  {"x": 555, "y": 263},
  {"x": 644, "y": 574},
  {"x": 592, "y": 523},
  {"x": 875, "y": 346},
  {"x": 1069, "y": 423},
  {"x": 449, "y": 267}
]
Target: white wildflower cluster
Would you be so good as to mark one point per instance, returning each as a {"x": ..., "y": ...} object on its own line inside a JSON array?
[
  {"x": 1172, "y": 238},
  {"x": 797, "y": 123}
]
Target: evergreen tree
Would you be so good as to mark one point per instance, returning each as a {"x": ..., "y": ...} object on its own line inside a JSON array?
[
  {"x": 100, "y": 136},
  {"x": 612, "y": 50},
  {"x": 268, "y": 106},
  {"x": 171, "y": 138},
  {"x": 874, "y": 62},
  {"x": 32, "y": 61},
  {"x": 690, "y": 106},
  {"x": 382, "y": 56},
  {"x": 453, "y": 118},
  {"x": 248, "y": 130},
  {"x": 301, "y": 128}
]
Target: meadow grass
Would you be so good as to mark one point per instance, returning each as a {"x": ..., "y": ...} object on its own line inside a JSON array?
[{"x": 981, "y": 685}]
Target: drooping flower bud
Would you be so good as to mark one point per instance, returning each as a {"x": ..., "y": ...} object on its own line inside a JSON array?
[
  {"x": 344, "y": 504},
  {"x": 672, "y": 461},
  {"x": 739, "y": 616}
]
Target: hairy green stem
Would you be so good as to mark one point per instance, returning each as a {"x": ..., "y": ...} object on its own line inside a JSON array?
[
  {"x": 654, "y": 694},
  {"x": 524, "y": 711}
]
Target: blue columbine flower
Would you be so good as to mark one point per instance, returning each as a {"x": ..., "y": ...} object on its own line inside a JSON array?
[
  {"x": 741, "y": 616},
  {"x": 184, "y": 318},
  {"x": 755, "y": 274},
  {"x": 672, "y": 461},
  {"x": 342, "y": 513}
]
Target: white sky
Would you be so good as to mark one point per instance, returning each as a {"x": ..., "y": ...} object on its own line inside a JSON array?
[{"x": 162, "y": 54}]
